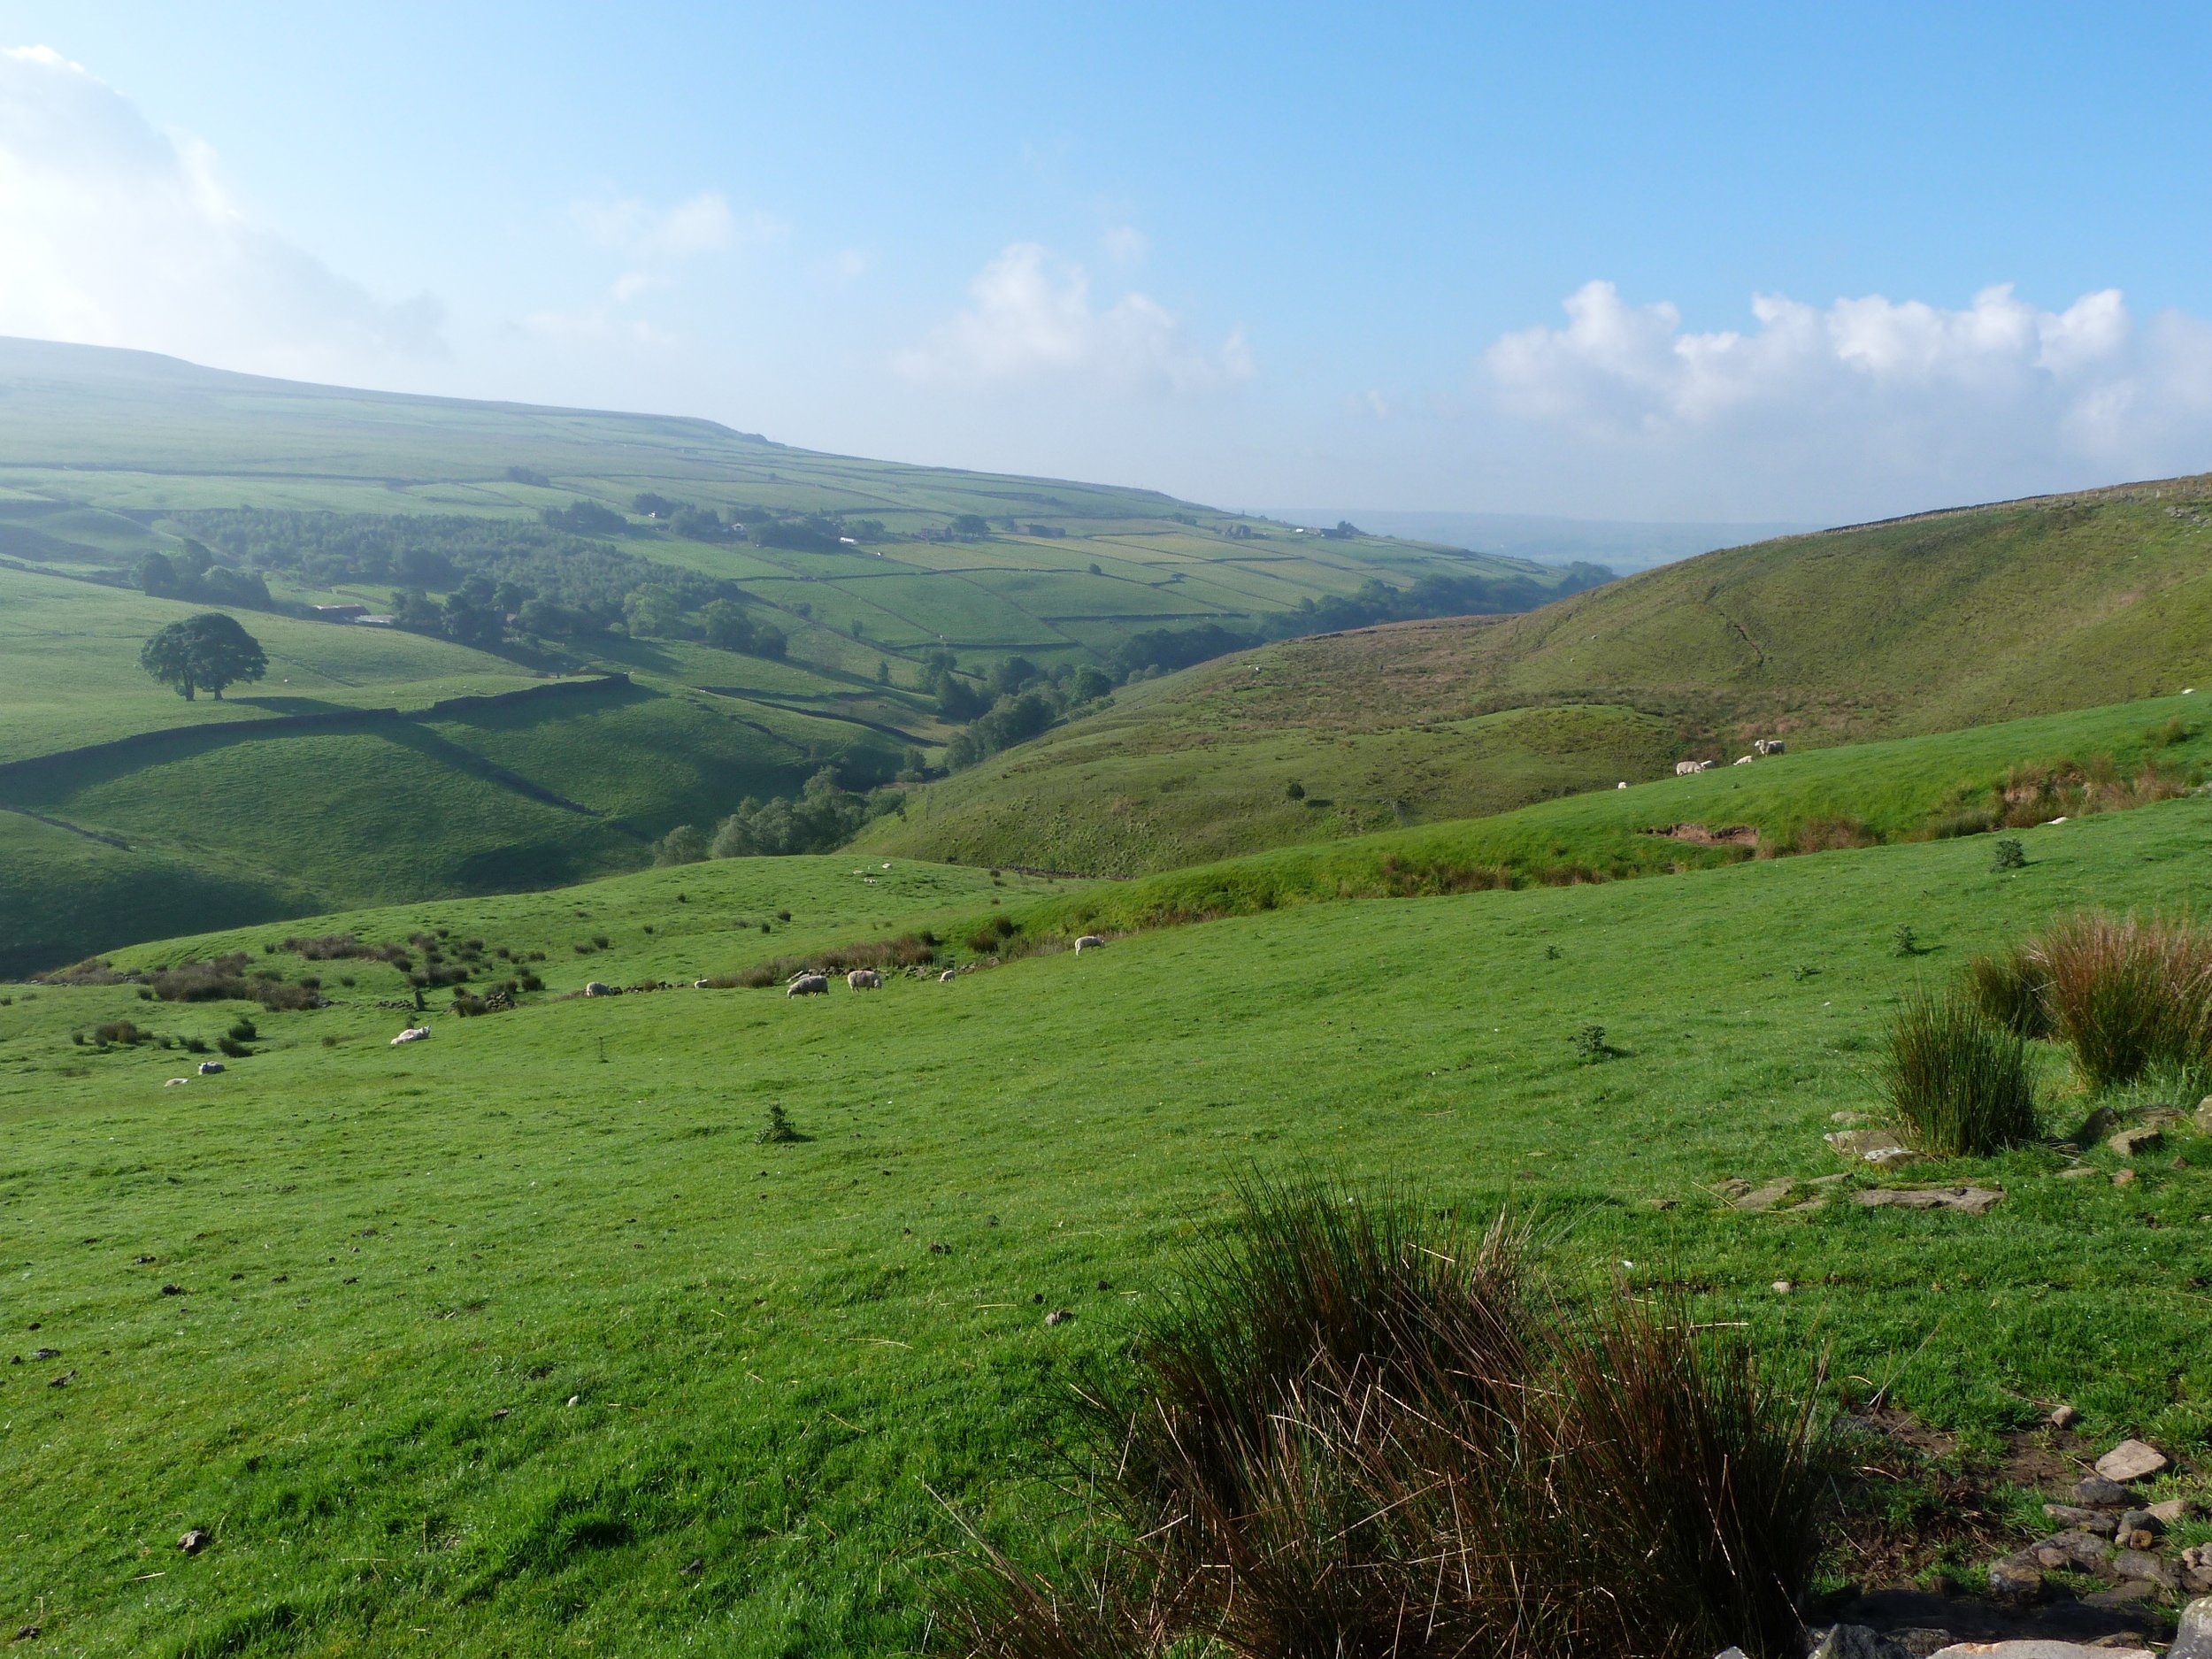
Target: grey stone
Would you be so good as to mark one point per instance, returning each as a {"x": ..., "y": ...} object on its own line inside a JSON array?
[
  {"x": 2173, "y": 1509},
  {"x": 2194, "y": 1640},
  {"x": 2015, "y": 1580},
  {"x": 2095, "y": 1127},
  {"x": 2134, "y": 1142},
  {"x": 1866, "y": 1145},
  {"x": 2087, "y": 1520},
  {"x": 2037, "y": 1650},
  {"x": 1971, "y": 1201},
  {"x": 2069, "y": 1549},
  {"x": 2141, "y": 1565},
  {"x": 2101, "y": 1493},
  {"x": 1731, "y": 1653},
  {"x": 1856, "y": 1641},
  {"x": 2123, "y": 1595},
  {"x": 2201, "y": 1118},
  {"x": 2064, "y": 1416},
  {"x": 2131, "y": 1460},
  {"x": 2142, "y": 1521},
  {"x": 1766, "y": 1197},
  {"x": 193, "y": 1542}
]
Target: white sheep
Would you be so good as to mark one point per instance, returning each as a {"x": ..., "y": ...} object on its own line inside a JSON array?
[
  {"x": 1089, "y": 941},
  {"x": 808, "y": 985},
  {"x": 863, "y": 980}
]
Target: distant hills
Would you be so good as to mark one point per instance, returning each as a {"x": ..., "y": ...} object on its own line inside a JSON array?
[
  {"x": 1921, "y": 624},
  {"x": 1624, "y": 545}
]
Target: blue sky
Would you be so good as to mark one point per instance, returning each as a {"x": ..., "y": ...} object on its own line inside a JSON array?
[{"x": 1253, "y": 255}]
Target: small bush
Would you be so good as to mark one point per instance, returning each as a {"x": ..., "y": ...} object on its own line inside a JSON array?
[
  {"x": 243, "y": 1029},
  {"x": 330, "y": 946},
  {"x": 196, "y": 1045},
  {"x": 119, "y": 1030},
  {"x": 217, "y": 980},
  {"x": 531, "y": 982},
  {"x": 1903, "y": 941},
  {"x": 2010, "y": 854},
  {"x": 1960, "y": 1085},
  {"x": 599, "y": 941},
  {"x": 232, "y": 1047},
  {"x": 2128, "y": 994},
  {"x": 780, "y": 1130},
  {"x": 1590, "y": 1047}
]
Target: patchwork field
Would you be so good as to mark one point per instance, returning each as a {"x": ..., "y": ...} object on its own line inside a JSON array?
[{"x": 514, "y": 1338}]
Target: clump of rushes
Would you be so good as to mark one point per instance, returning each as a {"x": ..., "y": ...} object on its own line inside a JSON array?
[
  {"x": 1345, "y": 1391},
  {"x": 1959, "y": 1084},
  {"x": 2129, "y": 995},
  {"x": 2012, "y": 987}
]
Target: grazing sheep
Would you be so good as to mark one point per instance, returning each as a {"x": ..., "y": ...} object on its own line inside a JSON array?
[
  {"x": 1623, "y": 784},
  {"x": 698, "y": 985},
  {"x": 413, "y": 1034},
  {"x": 1089, "y": 941},
  {"x": 173, "y": 1081},
  {"x": 597, "y": 989},
  {"x": 1684, "y": 768},
  {"x": 209, "y": 1068},
  {"x": 1745, "y": 760},
  {"x": 946, "y": 976},
  {"x": 808, "y": 985},
  {"x": 863, "y": 980},
  {"x": 1769, "y": 745}
]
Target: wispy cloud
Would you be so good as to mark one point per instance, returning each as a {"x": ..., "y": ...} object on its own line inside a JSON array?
[
  {"x": 114, "y": 233},
  {"x": 700, "y": 224},
  {"x": 1032, "y": 319}
]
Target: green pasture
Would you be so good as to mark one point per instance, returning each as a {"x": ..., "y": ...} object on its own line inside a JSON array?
[{"x": 513, "y": 1339}]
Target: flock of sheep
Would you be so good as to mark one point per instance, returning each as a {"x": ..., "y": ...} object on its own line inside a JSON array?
[
  {"x": 809, "y": 982},
  {"x": 1763, "y": 746}
]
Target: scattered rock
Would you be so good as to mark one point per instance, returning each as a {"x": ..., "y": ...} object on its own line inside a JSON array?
[
  {"x": 2122, "y": 1595},
  {"x": 2140, "y": 1566},
  {"x": 2134, "y": 1142},
  {"x": 696, "y": 1564},
  {"x": 2099, "y": 1493},
  {"x": 1662, "y": 1203},
  {"x": 2142, "y": 1521},
  {"x": 2016, "y": 1580},
  {"x": 2131, "y": 1460},
  {"x": 2174, "y": 1509},
  {"x": 2086, "y": 1520},
  {"x": 1058, "y": 1316},
  {"x": 1856, "y": 1641},
  {"x": 1973, "y": 1201},
  {"x": 576, "y": 1400},
  {"x": 2123, "y": 1177},
  {"x": 501, "y": 1412},
  {"x": 2202, "y": 1116},
  {"x": 941, "y": 1249},
  {"x": 2064, "y": 1416},
  {"x": 2069, "y": 1549},
  {"x": 2196, "y": 1569},
  {"x": 172, "y": 1290},
  {"x": 1783, "y": 1286},
  {"x": 1867, "y": 1146},
  {"x": 65, "y": 1379},
  {"x": 1763, "y": 1198},
  {"x": 2075, "y": 1172},
  {"x": 47, "y": 1353},
  {"x": 193, "y": 1542},
  {"x": 2194, "y": 1640},
  {"x": 2042, "y": 1649},
  {"x": 30, "y": 1633}
]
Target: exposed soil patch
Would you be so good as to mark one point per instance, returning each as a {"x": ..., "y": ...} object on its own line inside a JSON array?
[{"x": 1705, "y": 836}]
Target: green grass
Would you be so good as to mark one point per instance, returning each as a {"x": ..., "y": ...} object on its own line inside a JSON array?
[
  {"x": 1929, "y": 625},
  {"x": 776, "y": 1377},
  {"x": 1901, "y": 789}
]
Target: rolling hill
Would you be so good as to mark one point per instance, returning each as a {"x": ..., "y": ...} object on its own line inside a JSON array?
[
  {"x": 360, "y": 770},
  {"x": 1922, "y": 624},
  {"x": 517, "y": 1338}
]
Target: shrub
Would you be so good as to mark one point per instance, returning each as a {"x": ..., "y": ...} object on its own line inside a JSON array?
[
  {"x": 1960, "y": 1085},
  {"x": 216, "y": 979},
  {"x": 2128, "y": 994},
  {"x": 2010, "y": 854},
  {"x": 780, "y": 1130},
  {"x": 120, "y": 1031},
  {"x": 242, "y": 1030},
  {"x": 599, "y": 940},
  {"x": 196, "y": 1045},
  {"x": 2011, "y": 989},
  {"x": 1590, "y": 1045},
  {"x": 1344, "y": 1393},
  {"x": 232, "y": 1047},
  {"x": 1903, "y": 941},
  {"x": 329, "y": 947}
]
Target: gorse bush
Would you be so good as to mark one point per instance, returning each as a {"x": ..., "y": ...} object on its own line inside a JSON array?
[
  {"x": 2010, "y": 988},
  {"x": 1346, "y": 1393},
  {"x": 1959, "y": 1084},
  {"x": 2130, "y": 995}
]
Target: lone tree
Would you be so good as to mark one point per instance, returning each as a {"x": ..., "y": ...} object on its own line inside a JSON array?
[{"x": 203, "y": 653}]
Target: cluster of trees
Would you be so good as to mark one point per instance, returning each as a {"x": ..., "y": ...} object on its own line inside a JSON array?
[
  {"x": 191, "y": 572},
  {"x": 826, "y": 815},
  {"x": 1017, "y": 701},
  {"x": 207, "y": 652}
]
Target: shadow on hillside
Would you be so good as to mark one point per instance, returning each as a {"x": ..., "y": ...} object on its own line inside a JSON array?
[{"x": 290, "y": 705}]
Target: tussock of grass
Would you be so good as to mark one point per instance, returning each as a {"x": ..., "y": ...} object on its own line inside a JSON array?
[
  {"x": 1959, "y": 1085},
  {"x": 1346, "y": 1393},
  {"x": 2011, "y": 989},
  {"x": 2129, "y": 995}
]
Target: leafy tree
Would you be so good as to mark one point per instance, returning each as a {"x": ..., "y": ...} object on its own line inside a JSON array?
[
  {"x": 971, "y": 524},
  {"x": 685, "y": 844},
  {"x": 193, "y": 560},
  {"x": 1088, "y": 684},
  {"x": 1009, "y": 674},
  {"x": 470, "y": 617},
  {"x": 826, "y": 815},
  {"x": 658, "y": 506},
  {"x": 411, "y": 609},
  {"x": 203, "y": 653},
  {"x": 728, "y": 625},
  {"x": 653, "y": 612},
  {"x": 770, "y": 641},
  {"x": 584, "y": 517},
  {"x": 528, "y": 475},
  {"x": 699, "y": 524},
  {"x": 883, "y": 672},
  {"x": 157, "y": 575}
]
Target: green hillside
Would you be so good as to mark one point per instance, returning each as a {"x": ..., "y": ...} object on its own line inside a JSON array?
[
  {"x": 1923, "y": 624},
  {"x": 301, "y": 492},
  {"x": 515, "y": 1339}
]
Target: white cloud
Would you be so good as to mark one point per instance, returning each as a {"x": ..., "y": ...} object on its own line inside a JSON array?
[
  {"x": 112, "y": 233},
  {"x": 1033, "y": 320},
  {"x": 1126, "y": 245},
  {"x": 1997, "y": 390},
  {"x": 700, "y": 225}
]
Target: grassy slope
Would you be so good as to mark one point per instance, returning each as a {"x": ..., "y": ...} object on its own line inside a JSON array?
[
  {"x": 401, "y": 1263},
  {"x": 1914, "y": 627}
]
